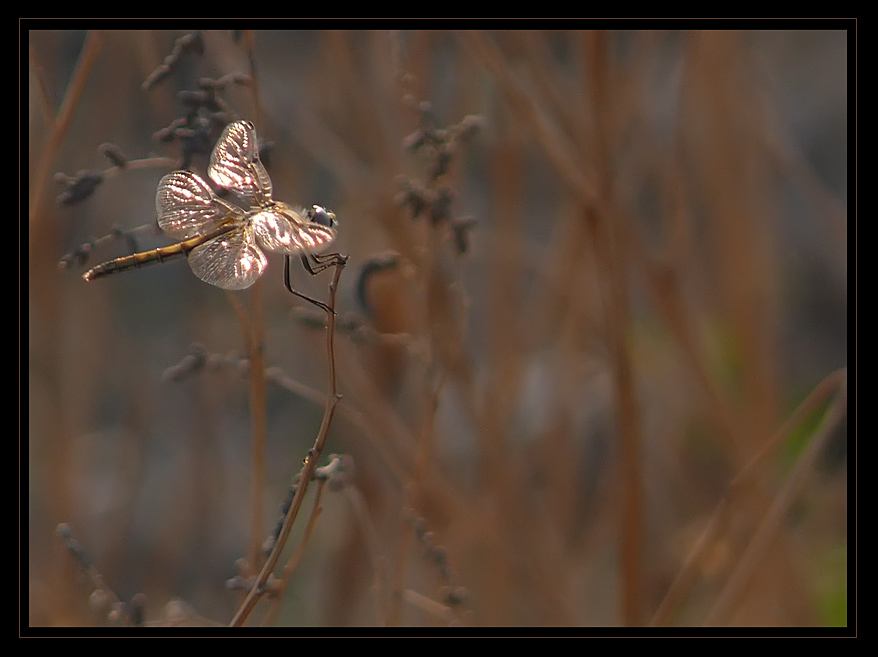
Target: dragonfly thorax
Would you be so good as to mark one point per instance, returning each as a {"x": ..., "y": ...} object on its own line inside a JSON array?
[{"x": 278, "y": 227}]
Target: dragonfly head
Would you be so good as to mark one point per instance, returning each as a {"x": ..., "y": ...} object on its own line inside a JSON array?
[{"x": 320, "y": 215}]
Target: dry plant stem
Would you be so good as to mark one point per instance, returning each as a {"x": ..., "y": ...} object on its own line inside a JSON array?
[
  {"x": 89, "y": 569},
  {"x": 687, "y": 575},
  {"x": 525, "y": 105},
  {"x": 256, "y": 350},
  {"x": 311, "y": 460},
  {"x": 426, "y": 604},
  {"x": 253, "y": 338},
  {"x": 60, "y": 124},
  {"x": 611, "y": 244},
  {"x": 414, "y": 486},
  {"x": 774, "y": 516},
  {"x": 152, "y": 162},
  {"x": 835, "y": 382},
  {"x": 595, "y": 195},
  {"x": 424, "y": 450},
  {"x": 249, "y": 39},
  {"x": 361, "y": 514},
  {"x": 293, "y": 561},
  {"x": 389, "y": 456}
]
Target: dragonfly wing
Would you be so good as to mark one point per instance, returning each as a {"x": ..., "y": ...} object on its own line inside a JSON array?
[
  {"x": 283, "y": 229},
  {"x": 235, "y": 164},
  {"x": 231, "y": 261},
  {"x": 187, "y": 207}
]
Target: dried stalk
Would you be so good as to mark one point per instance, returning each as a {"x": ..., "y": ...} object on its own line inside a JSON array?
[{"x": 307, "y": 472}]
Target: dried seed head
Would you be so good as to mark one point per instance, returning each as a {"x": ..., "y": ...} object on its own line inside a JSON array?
[
  {"x": 191, "y": 42},
  {"x": 114, "y": 154},
  {"x": 79, "y": 187}
]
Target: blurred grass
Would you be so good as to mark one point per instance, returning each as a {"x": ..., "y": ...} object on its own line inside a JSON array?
[{"x": 656, "y": 278}]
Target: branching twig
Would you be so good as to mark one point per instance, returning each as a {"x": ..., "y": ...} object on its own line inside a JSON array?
[
  {"x": 311, "y": 460},
  {"x": 80, "y": 186},
  {"x": 130, "y": 613},
  {"x": 293, "y": 561},
  {"x": 191, "y": 42}
]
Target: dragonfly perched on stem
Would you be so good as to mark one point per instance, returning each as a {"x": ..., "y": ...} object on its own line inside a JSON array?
[{"x": 223, "y": 241}]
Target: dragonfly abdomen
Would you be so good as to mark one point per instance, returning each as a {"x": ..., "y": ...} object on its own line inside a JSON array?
[
  {"x": 135, "y": 261},
  {"x": 144, "y": 258}
]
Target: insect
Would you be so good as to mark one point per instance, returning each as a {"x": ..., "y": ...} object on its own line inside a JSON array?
[{"x": 221, "y": 240}]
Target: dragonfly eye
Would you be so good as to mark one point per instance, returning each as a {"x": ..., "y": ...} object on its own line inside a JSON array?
[{"x": 322, "y": 216}]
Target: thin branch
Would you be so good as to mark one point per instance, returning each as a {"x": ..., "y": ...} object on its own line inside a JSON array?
[{"x": 311, "y": 460}]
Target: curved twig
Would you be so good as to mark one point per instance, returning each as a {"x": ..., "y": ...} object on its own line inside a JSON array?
[{"x": 307, "y": 472}]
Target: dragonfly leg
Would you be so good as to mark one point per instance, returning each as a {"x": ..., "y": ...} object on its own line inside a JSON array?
[
  {"x": 289, "y": 284},
  {"x": 321, "y": 261}
]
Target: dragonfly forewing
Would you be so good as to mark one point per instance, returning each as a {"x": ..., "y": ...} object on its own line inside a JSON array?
[{"x": 235, "y": 164}]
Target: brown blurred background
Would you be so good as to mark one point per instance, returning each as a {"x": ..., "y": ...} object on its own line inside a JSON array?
[{"x": 545, "y": 425}]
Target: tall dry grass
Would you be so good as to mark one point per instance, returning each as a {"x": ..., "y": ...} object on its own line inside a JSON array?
[{"x": 623, "y": 403}]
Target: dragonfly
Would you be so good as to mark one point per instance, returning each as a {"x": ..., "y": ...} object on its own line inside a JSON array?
[{"x": 223, "y": 241}]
